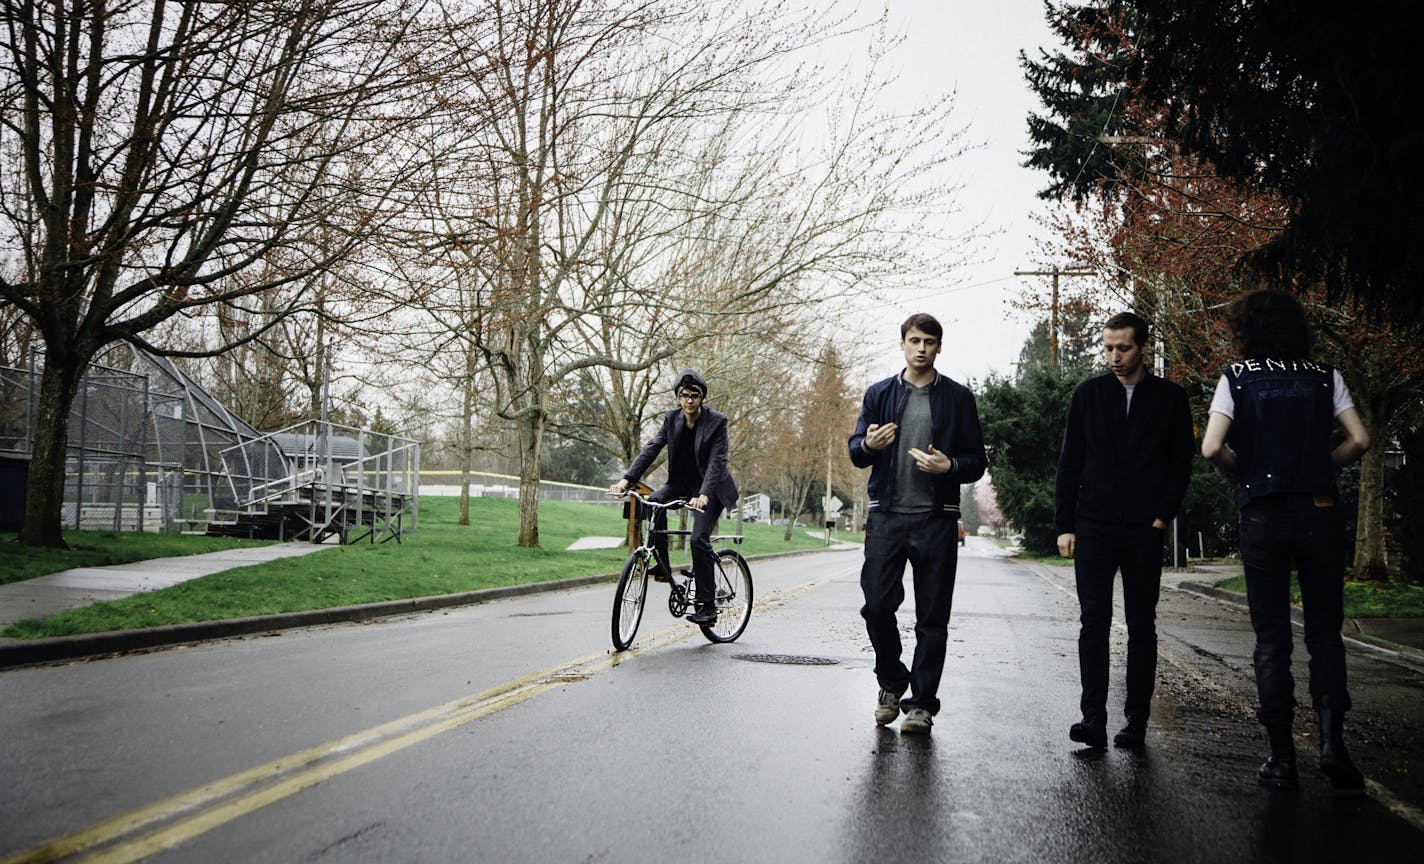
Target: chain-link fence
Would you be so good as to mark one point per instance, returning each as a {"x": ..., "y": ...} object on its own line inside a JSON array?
[
  {"x": 149, "y": 449},
  {"x": 485, "y": 485},
  {"x": 115, "y": 476}
]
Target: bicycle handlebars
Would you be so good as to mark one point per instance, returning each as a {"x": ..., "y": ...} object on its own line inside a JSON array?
[{"x": 674, "y": 504}]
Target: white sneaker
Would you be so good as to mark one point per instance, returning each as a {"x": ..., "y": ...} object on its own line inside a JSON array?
[
  {"x": 917, "y": 722},
  {"x": 887, "y": 707}
]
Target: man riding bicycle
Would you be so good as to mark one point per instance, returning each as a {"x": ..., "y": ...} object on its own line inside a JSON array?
[{"x": 696, "y": 438}]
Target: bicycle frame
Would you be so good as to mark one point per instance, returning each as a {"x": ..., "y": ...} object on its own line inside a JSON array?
[{"x": 733, "y": 587}]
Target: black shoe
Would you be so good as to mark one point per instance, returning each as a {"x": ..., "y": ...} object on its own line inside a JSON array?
[
  {"x": 1278, "y": 772},
  {"x": 703, "y": 618},
  {"x": 1095, "y": 737},
  {"x": 661, "y": 574},
  {"x": 1133, "y": 735},
  {"x": 1335, "y": 761}
]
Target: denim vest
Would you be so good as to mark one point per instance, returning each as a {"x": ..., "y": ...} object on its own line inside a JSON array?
[{"x": 1285, "y": 411}]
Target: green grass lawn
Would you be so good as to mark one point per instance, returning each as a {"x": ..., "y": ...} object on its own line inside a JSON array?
[
  {"x": 1362, "y": 599},
  {"x": 101, "y": 548},
  {"x": 442, "y": 557}
]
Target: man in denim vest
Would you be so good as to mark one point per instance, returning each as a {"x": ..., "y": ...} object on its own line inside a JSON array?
[{"x": 1270, "y": 425}]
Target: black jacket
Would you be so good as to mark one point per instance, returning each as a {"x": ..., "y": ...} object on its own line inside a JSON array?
[
  {"x": 709, "y": 447},
  {"x": 1124, "y": 468},
  {"x": 955, "y": 419}
]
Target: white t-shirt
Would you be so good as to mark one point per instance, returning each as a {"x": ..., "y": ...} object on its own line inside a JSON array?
[{"x": 1222, "y": 402}]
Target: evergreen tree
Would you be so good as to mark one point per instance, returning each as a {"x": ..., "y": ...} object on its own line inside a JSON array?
[
  {"x": 1023, "y": 424},
  {"x": 1317, "y": 118}
]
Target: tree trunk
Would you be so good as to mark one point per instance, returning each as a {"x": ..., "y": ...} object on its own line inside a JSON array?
[
  {"x": 1369, "y": 520},
  {"x": 531, "y": 435},
  {"x": 44, "y": 498},
  {"x": 791, "y": 522}
]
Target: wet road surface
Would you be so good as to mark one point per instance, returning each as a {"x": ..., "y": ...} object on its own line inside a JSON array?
[{"x": 508, "y": 732}]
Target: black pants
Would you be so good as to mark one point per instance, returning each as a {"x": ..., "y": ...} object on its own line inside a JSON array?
[
  {"x": 704, "y": 557},
  {"x": 928, "y": 542},
  {"x": 1102, "y": 549},
  {"x": 1274, "y": 536}
]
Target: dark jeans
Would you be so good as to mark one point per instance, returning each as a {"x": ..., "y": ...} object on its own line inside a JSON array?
[
  {"x": 704, "y": 557},
  {"x": 1101, "y": 550},
  {"x": 928, "y": 542},
  {"x": 1276, "y": 534}
]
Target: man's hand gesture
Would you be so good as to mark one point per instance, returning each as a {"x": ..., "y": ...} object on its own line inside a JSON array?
[
  {"x": 933, "y": 462},
  {"x": 878, "y": 437}
]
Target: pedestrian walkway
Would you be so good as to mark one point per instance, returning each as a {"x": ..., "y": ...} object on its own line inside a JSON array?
[
  {"x": 1400, "y": 634},
  {"x": 70, "y": 589}
]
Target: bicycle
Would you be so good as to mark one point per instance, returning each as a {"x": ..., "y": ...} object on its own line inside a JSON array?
[{"x": 732, "y": 578}]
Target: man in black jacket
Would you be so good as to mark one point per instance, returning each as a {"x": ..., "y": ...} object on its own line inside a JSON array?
[
  {"x": 919, "y": 434},
  {"x": 696, "y": 438},
  {"x": 1122, "y": 473}
]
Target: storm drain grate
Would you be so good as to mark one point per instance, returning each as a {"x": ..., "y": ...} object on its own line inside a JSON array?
[{"x": 787, "y": 659}]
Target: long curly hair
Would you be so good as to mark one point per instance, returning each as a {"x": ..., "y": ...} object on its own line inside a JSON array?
[{"x": 1270, "y": 323}]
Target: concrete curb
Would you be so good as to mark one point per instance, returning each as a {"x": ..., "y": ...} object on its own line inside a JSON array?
[
  {"x": 30, "y": 652},
  {"x": 1405, "y": 654}
]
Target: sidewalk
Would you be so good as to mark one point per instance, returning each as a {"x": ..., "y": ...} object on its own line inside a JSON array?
[
  {"x": 1404, "y": 636},
  {"x": 71, "y": 589}
]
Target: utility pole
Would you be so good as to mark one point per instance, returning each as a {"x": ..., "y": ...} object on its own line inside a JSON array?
[
  {"x": 1053, "y": 317},
  {"x": 826, "y": 503}
]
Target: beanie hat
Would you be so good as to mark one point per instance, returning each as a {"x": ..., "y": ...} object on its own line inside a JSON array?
[{"x": 690, "y": 379}]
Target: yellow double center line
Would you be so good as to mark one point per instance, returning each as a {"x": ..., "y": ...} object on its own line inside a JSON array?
[{"x": 200, "y": 810}]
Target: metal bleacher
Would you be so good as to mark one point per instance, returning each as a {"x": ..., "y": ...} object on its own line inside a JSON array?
[{"x": 318, "y": 481}]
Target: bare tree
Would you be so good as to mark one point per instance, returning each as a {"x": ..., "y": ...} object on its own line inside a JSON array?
[{"x": 164, "y": 150}]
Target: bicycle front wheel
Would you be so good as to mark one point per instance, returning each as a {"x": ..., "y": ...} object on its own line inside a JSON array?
[
  {"x": 734, "y": 597},
  {"x": 628, "y": 600}
]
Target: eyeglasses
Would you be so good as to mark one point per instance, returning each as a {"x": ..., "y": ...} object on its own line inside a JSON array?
[{"x": 690, "y": 397}]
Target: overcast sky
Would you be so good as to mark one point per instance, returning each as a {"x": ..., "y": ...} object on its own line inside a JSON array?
[{"x": 973, "y": 47}]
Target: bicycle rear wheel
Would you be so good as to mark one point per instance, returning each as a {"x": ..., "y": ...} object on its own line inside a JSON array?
[
  {"x": 628, "y": 600},
  {"x": 733, "y": 583}
]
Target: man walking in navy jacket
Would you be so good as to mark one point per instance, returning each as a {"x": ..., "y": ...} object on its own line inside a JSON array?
[
  {"x": 1122, "y": 473},
  {"x": 919, "y": 434}
]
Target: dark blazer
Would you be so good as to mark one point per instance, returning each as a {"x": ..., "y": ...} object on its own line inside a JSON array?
[
  {"x": 709, "y": 447},
  {"x": 1124, "y": 468}
]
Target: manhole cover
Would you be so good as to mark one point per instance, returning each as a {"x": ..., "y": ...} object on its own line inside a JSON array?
[{"x": 787, "y": 659}]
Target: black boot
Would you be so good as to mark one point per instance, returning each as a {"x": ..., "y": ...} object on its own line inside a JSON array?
[
  {"x": 1133, "y": 735},
  {"x": 1278, "y": 772},
  {"x": 1334, "y": 758},
  {"x": 1094, "y": 735}
]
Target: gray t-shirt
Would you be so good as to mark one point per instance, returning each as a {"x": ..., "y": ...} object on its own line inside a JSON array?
[{"x": 913, "y": 492}]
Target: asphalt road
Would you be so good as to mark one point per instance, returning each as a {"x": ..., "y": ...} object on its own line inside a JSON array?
[{"x": 509, "y": 732}]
